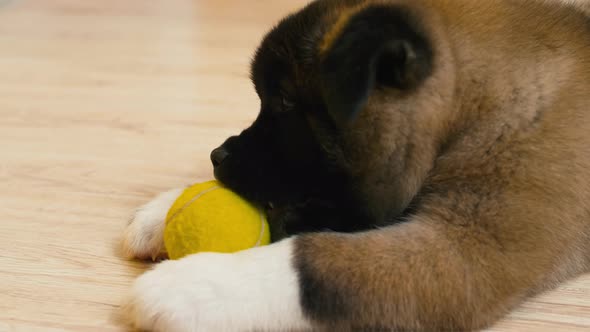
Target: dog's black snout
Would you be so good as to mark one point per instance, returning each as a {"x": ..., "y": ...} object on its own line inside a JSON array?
[{"x": 218, "y": 156}]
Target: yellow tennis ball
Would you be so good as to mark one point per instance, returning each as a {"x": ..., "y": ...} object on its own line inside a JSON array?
[{"x": 209, "y": 217}]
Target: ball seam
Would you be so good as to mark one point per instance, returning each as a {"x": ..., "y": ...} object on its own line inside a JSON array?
[{"x": 191, "y": 201}]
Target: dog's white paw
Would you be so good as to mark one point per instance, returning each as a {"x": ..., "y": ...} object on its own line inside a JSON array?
[
  {"x": 144, "y": 236},
  {"x": 255, "y": 289}
]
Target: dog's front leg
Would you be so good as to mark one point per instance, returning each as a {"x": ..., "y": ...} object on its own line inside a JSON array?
[{"x": 256, "y": 289}]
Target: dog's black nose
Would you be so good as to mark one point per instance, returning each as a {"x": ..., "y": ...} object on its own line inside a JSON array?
[{"x": 218, "y": 156}]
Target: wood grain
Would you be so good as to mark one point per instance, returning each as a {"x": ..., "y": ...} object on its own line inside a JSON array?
[{"x": 103, "y": 104}]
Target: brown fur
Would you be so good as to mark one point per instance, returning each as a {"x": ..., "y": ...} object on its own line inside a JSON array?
[
  {"x": 341, "y": 17},
  {"x": 496, "y": 159}
]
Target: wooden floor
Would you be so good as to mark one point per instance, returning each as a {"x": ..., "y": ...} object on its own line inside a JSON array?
[{"x": 104, "y": 104}]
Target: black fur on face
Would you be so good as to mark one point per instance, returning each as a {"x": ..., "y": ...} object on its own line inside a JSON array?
[{"x": 294, "y": 156}]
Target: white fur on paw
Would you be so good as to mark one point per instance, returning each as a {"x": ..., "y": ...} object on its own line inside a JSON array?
[
  {"x": 144, "y": 236},
  {"x": 255, "y": 289}
]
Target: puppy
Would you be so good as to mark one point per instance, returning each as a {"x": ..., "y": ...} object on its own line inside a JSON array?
[{"x": 427, "y": 163}]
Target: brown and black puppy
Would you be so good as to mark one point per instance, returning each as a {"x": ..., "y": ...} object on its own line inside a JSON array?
[{"x": 432, "y": 156}]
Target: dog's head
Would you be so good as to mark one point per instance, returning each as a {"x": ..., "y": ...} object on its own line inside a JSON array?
[{"x": 348, "y": 111}]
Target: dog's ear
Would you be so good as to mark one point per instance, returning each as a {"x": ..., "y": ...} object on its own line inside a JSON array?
[{"x": 378, "y": 46}]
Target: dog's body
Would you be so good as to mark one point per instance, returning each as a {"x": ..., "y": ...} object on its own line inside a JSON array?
[{"x": 446, "y": 144}]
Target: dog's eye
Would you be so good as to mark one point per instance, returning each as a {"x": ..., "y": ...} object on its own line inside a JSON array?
[{"x": 286, "y": 104}]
